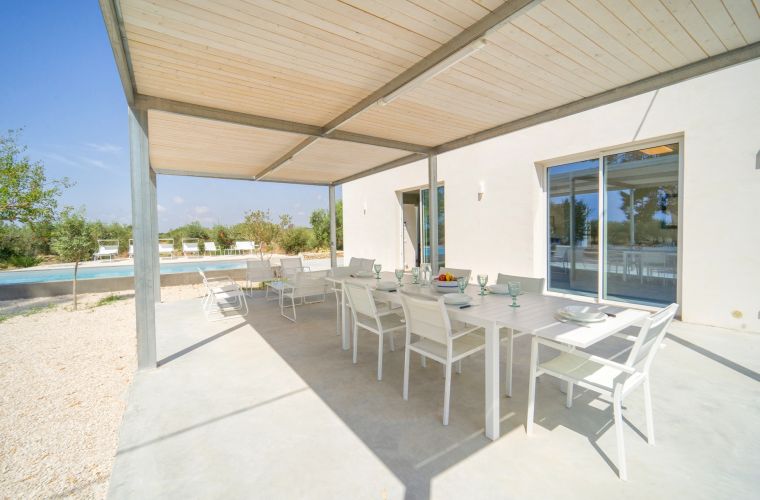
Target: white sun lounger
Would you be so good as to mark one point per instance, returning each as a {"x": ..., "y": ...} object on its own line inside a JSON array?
[
  {"x": 209, "y": 247},
  {"x": 166, "y": 247},
  {"x": 106, "y": 248},
  {"x": 190, "y": 247}
]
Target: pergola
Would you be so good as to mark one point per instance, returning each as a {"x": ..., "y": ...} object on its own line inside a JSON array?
[{"x": 326, "y": 92}]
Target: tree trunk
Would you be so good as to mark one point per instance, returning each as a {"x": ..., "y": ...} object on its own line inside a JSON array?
[{"x": 76, "y": 268}]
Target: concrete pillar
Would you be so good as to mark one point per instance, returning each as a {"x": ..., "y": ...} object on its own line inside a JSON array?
[
  {"x": 333, "y": 229},
  {"x": 433, "y": 211},
  {"x": 145, "y": 236}
]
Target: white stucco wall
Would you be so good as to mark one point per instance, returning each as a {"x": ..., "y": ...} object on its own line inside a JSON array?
[{"x": 718, "y": 116}]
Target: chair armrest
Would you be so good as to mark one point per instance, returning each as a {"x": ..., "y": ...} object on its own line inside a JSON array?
[
  {"x": 591, "y": 357},
  {"x": 625, "y": 336},
  {"x": 468, "y": 331}
]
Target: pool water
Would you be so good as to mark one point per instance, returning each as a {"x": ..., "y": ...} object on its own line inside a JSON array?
[{"x": 97, "y": 272}]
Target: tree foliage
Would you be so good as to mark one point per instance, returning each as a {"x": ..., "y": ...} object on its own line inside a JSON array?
[
  {"x": 73, "y": 241},
  {"x": 27, "y": 196}
]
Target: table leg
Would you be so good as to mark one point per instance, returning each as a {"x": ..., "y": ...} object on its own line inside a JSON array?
[
  {"x": 492, "y": 383},
  {"x": 344, "y": 318}
]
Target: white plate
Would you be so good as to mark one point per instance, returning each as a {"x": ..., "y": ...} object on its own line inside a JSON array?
[
  {"x": 364, "y": 274},
  {"x": 584, "y": 314},
  {"x": 498, "y": 289},
  {"x": 387, "y": 286},
  {"x": 456, "y": 299}
]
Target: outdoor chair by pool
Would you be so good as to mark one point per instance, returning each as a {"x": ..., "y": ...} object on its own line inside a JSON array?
[
  {"x": 209, "y": 247},
  {"x": 366, "y": 316},
  {"x": 190, "y": 247},
  {"x": 605, "y": 376},
  {"x": 243, "y": 247},
  {"x": 530, "y": 285},
  {"x": 290, "y": 266},
  {"x": 299, "y": 289},
  {"x": 223, "y": 295},
  {"x": 166, "y": 247},
  {"x": 258, "y": 271},
  {"x": 131, "y": 253},
  {"x": 106, "y": 248},
  {"x": 429, "y": 320}
]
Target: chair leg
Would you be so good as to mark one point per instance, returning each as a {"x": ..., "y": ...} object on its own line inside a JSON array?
[
  {"x": 356, "y": 338},
  {"x": 569, "y": 397},
  {"x": 617, "y": 408},
  {"x": 406, "y": 372},
  {"x": 510, "y": 357},
  {"x": 447, "y": 394},
  {"x": 648, "y": 411},
  {"x": 393, "y": 343},
  {"x": 380, "y": 357},
  {"x": 532, "y": 386},
  {"x": 424, "y": 362},
  {"x": 459, "y": 367}
]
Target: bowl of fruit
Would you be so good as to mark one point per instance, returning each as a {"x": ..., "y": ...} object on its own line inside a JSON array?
[{"x": 445, "y": 282}]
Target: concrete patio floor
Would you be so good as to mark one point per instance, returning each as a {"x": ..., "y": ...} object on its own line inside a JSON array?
[{"x": 260, "y": 407}]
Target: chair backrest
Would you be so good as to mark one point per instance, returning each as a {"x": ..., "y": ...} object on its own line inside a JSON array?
[
  {"x": 259, "y": 270},
  {"x": 203, "y": 275},
  {"x": 456, "y": 272},
  {"x": 426, "y": 318},
  {"x": 209, "y": 246},
  {"x": 306, "y": 283},
  {"x": 532, "y": 285},
  {"x": 108, "y": 247},
  {"x": 290, "y": 266},
  {"x": 243, "y": 245},
  {"x": 650, "y": 337},
  {"x": 361, "y": 301},
  {"x": 359, "y": 264},
  {"x": 189, "y": 244}
]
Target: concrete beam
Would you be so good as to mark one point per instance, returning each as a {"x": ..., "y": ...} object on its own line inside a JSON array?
[
  {"x": 257, "y": 121},
  {"x": 145, "y": 235},
  {"x": 333, "y": 229},
  {"x": 114, "y": 28},
  {"x": 382, "y": 168}
]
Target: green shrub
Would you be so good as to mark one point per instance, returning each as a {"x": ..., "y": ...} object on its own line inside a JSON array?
[
  {"x": 23, "y": 261},
  {"x": 295, "y": 239}
]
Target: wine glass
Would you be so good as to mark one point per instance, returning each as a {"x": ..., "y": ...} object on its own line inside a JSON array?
[
  {"x": 378, "y": 268},
  {"x": 514, "y": 291},
  {"x": 415, "y": 275},
  {"x": 482, "y": 281},
  {"x": 399, "y": 275},
  {"x": 462, "y": 283}
]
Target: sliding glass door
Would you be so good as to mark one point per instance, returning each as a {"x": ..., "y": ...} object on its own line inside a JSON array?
[
  {"x": 425, "y": 224},
  {"x": 641, "y": 224},
  {"x": 632, "y": 242},
  {"x": 573, "y": 227}
]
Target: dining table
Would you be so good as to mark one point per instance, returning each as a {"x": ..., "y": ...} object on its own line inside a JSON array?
[{"x": 536, "y": 315}]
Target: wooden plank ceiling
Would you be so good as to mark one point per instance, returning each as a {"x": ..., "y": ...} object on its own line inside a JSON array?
[{"x": 308, "y": 61}]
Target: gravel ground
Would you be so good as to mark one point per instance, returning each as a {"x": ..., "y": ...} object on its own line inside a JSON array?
[{"x": 64, "y": 376}]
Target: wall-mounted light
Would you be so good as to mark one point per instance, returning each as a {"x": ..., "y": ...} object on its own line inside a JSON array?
[
  {"x": 481, "y": 191},
  {"x": 365, "y": 208}
]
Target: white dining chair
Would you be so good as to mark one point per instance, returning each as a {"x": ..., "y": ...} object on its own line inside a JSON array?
[
  {"x": 508, "y": 335},
  {"x": 366, "y": 316},
  {"x": 429, "y": 320},
  {"x": 605, "y": 376}
]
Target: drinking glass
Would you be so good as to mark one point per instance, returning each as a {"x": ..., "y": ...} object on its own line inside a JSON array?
[
  {"x": 378, "y": 268},
  {"x": 482, "y": 281},
  {"x": 426, "y": 277},
  {"x": 415, "y": 275},
  {"x": 399, "y": 275},
  {"x": 514, "y": 291},
  {"x": 462, "y": 282}
]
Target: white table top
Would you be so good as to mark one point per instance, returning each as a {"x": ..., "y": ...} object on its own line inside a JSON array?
[{"x": 536, "y": 314}]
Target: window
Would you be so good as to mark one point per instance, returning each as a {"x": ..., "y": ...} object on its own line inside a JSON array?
[{"x": 633, "y": 241}]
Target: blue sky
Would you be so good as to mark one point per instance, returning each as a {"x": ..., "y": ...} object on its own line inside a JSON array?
[{"x": 61, "y": 86}]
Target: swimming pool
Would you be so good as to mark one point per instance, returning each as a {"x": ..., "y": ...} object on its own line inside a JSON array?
[{"x": 97, "y": 272}]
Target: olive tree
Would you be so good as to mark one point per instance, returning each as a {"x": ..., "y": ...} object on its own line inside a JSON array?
[{"x": 73, "y": 241}]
